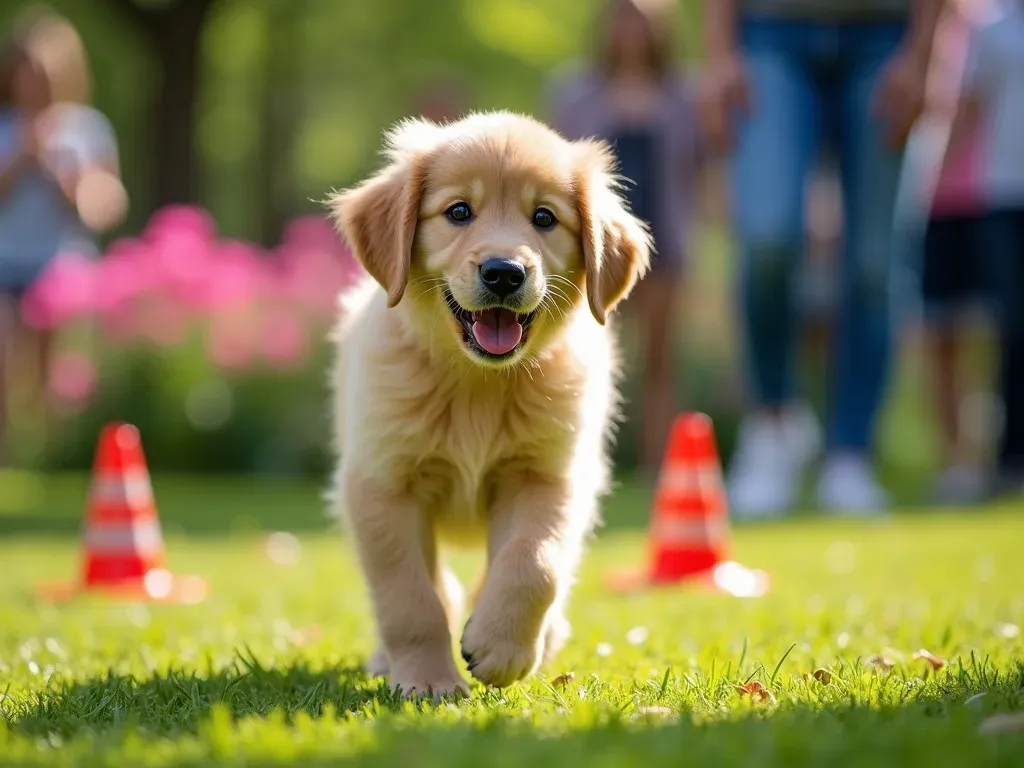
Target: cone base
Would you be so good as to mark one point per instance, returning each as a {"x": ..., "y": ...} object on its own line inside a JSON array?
[
  {"x": 727, "y": 577},
  {"x": 157, "y": 586}
]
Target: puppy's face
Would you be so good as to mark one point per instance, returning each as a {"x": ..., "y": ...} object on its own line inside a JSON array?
[
  {"x": 498, "y": 236},
  {"x": 491, "y": 231}
]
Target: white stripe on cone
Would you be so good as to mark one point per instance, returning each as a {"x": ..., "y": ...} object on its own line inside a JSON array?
[
  {"x": 132, "y": 489},
  {"x": 687, "y": 480},
  {"x": 681, "y": 532},
  {"x": 142, "y": 537}
]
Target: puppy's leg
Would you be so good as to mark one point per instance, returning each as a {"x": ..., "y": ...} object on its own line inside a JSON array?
[
  {"x": 532, "y": 551},
  {"x": 397, "y": 553},
  {"x": 450, "y": 591}
]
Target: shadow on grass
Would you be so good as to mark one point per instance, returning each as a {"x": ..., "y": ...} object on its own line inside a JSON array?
[
  {"x": 176, "y": 702},
  {"x": 918, "y": 726},
  {"x": 798, "y": 736}
]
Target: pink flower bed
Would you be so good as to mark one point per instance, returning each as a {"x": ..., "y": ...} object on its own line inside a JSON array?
[{"x": 253, "y": 305}]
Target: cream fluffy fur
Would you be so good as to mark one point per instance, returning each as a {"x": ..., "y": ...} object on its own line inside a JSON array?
[{"x": 439, "y": 442}]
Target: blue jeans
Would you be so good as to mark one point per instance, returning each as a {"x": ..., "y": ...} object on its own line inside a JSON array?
[{"x": 812, "y": 82}]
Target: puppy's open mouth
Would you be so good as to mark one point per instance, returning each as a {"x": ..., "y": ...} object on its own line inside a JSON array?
[{"x": 495, "y": 332}]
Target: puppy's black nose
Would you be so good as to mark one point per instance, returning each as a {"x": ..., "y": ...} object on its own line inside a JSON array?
[{"x": 502, "y": 276}]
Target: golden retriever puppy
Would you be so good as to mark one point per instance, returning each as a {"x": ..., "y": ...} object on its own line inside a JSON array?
[{"x": 474, "y": 385}]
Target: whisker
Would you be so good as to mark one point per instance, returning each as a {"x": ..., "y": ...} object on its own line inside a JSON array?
[
  {"x": 548, "y": 303},
  {"x": 427, "y": 279},
  {"x": 433, "y": 323},
  {"x": 559, "y": 293},
  {"x": 567, "y": 281},
  {"x": 428, "y": 290},
  {"x": 452, "y": 306},
  {"x": 545, "y": 306}
]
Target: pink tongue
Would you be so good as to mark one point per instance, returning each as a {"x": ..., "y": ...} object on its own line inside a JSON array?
[{"x": 497, "y": 330}]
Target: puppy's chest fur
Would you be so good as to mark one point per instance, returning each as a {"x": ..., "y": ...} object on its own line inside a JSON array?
[{"x": 454, "y": 446}]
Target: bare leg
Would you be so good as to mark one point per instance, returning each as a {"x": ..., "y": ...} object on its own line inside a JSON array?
[
  {"x": 399, "y": 559},
  {"x": 6, "y": 330},
  {"x": 656, "y": 309},
  {"x": 942, "y": 349}
]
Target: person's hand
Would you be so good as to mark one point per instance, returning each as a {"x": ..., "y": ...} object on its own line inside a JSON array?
[
  {"x": 724, "y": 93},
  {"x": 899, "y": 100},
  {"x": 100, "y": 199}
]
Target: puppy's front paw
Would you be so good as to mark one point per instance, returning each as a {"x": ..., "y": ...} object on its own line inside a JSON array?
[
  {"x": 496, "y": 656},
  {"x": 418, "y": 678}
]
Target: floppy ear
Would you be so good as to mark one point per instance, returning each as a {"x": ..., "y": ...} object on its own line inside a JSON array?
[
  {"x": 378, "y": 219},
  {"x": 616, "y": 245}
]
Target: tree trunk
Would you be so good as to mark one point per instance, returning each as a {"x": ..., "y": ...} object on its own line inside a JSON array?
[
  {"x": 176, "y": 34},
  {"x": 279, "y": 108}
]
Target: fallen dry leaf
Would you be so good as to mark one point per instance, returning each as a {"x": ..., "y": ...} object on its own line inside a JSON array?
[
  {"x": 822, "y": 675},
  {"x": 1012, "y": 722},
  {"x": 880, "y": 662},
  {"x": 756, "y": 690},
  {"x": 563, "y": 680},
  {"x": 934, "y": 661}
]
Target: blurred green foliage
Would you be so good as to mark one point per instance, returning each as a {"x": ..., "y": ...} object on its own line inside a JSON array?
[
  {"x": 292, "y": 97},
  {"x": 293, "y": 94}
]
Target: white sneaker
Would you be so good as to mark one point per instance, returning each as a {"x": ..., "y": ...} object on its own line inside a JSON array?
[
  {"x": 960, "y": 484},
  {"x": 765, "y": 473},
  {"x": 805, "y": 434},
  {"x": 847, "y": 486}
]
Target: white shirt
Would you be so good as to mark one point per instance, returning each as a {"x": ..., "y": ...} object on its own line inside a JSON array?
[{"x": 994, "y": 73}]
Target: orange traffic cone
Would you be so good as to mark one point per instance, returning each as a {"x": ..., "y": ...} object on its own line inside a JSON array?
[
  {"x": 689, "y": 531},
  {"x": 123, "y": 543},
  {"x": 689, "y": 527}
]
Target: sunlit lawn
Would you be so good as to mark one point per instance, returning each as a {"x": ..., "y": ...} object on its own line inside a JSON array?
[{"x": 266, "y": 670}]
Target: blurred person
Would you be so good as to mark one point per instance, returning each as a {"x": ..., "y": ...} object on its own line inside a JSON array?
[
  {"x": 993, "y": 105},
  {"x": 954, "y": 274},
  {"x": 782, "y": 75},
  {"x": 59, "y": 180},
  {"x": 634, "y": 95},
  {"x": 817, "y": 284}
]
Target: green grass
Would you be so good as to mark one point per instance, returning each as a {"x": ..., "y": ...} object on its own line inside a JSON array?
[{"x": 266, "y": 671}]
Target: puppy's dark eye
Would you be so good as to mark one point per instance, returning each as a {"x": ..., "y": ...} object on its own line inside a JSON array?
[
  {"x": 459, "y": 213},
  {"x": 544, "y": 219}
]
